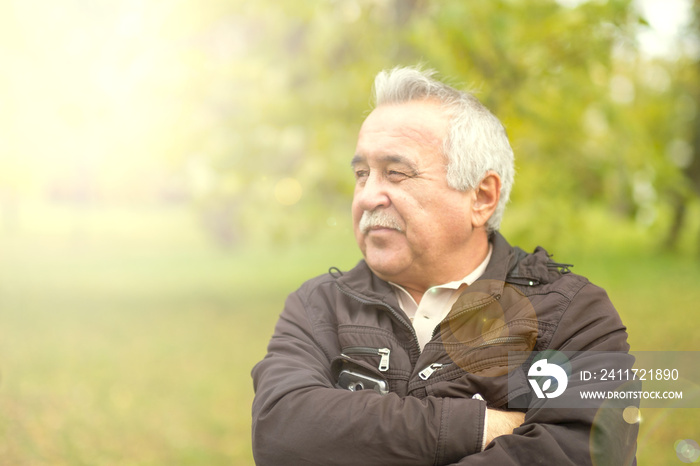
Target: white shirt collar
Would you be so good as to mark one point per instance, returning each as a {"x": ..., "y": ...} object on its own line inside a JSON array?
[
  {"x": 470, "y": 278},
  {"x": 436, "y": 302}
]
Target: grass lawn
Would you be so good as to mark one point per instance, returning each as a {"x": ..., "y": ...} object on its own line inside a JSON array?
[{"x": 127, "y": 338}]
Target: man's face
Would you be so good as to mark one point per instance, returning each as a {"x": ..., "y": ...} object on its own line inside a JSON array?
[{"x": 418, "y": 226}]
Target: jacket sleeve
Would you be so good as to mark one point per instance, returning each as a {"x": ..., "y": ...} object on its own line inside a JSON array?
[
  {"x": 299, "y": 418},
  {"x": 574, "y": 435}
]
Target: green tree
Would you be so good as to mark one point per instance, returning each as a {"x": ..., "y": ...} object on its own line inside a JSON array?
[{"x": 280, "y": 91}]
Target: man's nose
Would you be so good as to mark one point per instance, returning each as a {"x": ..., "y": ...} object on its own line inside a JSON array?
[{"x": 372, "y": 194}]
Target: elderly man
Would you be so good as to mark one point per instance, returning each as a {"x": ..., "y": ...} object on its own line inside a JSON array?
[{"x": 404, "y": 359}]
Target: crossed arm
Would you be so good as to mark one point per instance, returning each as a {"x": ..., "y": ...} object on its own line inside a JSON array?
[{"x": 300, "y": 418}]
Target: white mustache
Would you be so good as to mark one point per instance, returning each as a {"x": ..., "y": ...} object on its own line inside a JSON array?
[{"x": 378, "y": 218}]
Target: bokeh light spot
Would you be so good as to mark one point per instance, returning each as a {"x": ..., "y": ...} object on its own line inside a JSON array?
[
  {"x": 288, "y": 191},
  {"x": 688, "y": 451},
  {"x": 631, "y": 415}
]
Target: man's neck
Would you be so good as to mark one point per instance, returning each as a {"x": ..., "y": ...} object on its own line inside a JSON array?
[{"x": 460, "y": 270}]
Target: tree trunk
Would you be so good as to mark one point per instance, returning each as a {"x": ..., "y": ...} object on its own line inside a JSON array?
[{"x": 680, "y": 208}]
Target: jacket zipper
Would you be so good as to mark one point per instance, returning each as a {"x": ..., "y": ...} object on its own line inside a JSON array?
[
  {"x": 430, "y": 370},
  {"x": 382, "y": 352},
  {"x": 385, "y": 305},
  {"x": 436, "y": 366}
]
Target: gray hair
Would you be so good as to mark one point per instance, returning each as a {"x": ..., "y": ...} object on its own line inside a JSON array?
[{"x": 476, "y": 140}]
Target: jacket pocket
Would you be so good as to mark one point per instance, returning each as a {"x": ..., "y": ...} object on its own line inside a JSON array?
[
  {"x": 379, "y": 349},
  {"x": 500, "y": 344},
  {"x": 382, "y": 354},
  {"x": 487, "y": 364},
  {"x": 488, "y": 354},
  {"x": 356, "y": 375}
]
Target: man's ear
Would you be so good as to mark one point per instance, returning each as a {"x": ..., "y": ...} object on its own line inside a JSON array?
[{"x": 486, "y": 196}]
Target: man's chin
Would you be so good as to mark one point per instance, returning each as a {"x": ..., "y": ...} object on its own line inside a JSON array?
[{"x": 385, "y": 268}]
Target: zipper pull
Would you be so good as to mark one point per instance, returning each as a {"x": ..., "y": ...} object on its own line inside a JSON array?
[
  {"x": 384, "y": 361},
  {"x": 428, "y": 371}
]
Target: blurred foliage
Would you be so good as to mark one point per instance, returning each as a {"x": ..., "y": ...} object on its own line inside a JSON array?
[
  {"x": 591, "y": 117},
  {"x": 249, "y": 110}
]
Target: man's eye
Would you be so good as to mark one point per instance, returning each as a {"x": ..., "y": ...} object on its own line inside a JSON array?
[
  {"x": 394, "y": 175},
  {"x": 360, "y": 174}
]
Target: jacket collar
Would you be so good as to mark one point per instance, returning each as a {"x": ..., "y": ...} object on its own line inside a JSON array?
[
  {"x": 503, "y": 259},
  {"x": 361, "y": 282}
]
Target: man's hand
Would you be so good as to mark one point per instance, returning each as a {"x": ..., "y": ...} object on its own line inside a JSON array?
[{"x": 502, "y": 423}]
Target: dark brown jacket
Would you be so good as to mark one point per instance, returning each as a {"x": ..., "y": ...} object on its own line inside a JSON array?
[{"x": 523, "y": 302}]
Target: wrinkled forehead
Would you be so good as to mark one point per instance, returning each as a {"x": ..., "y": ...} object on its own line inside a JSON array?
[{"x": 423, "y": 122}]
